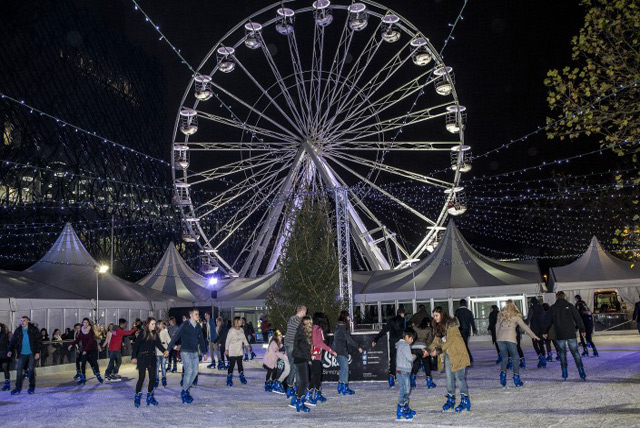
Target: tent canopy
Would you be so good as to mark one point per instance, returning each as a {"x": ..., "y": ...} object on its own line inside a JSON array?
[
  {"x": 247, "y": 291},
  {"x": 454, "y": 269},
  {"x": 173, "y": 276}
]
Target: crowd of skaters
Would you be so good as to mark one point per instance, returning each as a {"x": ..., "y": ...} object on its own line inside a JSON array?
[{"x": 293, "y": 361}]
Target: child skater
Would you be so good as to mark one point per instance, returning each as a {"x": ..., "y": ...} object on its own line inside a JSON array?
[
  {"x": 144, "y": 356},
  {"x": 236, "y": 341},
  {"x": 404, "y": 365},
  {"x": 343, "y": 344},
  {"x": 270, "y": 363},
  {"x": 449, "y": 344}
]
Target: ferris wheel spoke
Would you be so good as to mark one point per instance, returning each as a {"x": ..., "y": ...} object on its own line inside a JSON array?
[
  {"x": 390, "y": 146},
  {"x": 253, "y": 110},
  {"x": 315, "y": 85},
  {"x": 242, "y": 165},
  {"x": 299, "y": 76},
  {"x": 385, "y": 193},
  {"x": 240, "y": 146},
  {"x": 245, "y": 127},
  {"x": 275, "y": 104},
  {"x": 391, "y": 169}
]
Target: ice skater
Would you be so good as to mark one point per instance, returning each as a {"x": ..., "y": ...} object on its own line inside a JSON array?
[
  {"x": 493, "y": 320},
  {"x": 587, "y": 319},
  {"x": 88, "y": 339},
  {"x": 344, "y": 344},
  {"x": 395, "y": 326},
  {"x": 116, "y": 336},
  {"x": 270, "y": 363},
  {"x": 404, "y": 364},
  {"x": 564, "y": 318},
  {"x": 509, "y": 320},
  {"x": 163, "y": 334},
  {"x": 144, "y": 356},
  {"x": 5, "y": 362},
  {"x": 320, "y": 330},
  {"x": 302, "y": 359},
  {"x": 212, "y": 338},
  {"x": 536, "y": 323},
  {"x": 234, "y": 346},
  {"x": 449, "y": 345},
  {"x": 424, "y": 338},
  {"x": 292, "y": 327},
  {"x": 27, "y": 341}
]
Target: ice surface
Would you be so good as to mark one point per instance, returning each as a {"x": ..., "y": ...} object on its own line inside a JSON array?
[{"x": 609, "y": 398}]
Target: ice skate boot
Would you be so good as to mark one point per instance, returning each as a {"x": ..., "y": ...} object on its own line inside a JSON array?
[
  {"x": 595, "y": 352},
  {"x": 523, "y": 363},
  {"x": 293, "y": 402},
  {"x": 464, "y": 404},
  {"x": 430, "y": 383},
  {"x": 319, "y": 397},
  {"x": 82, "y": 380},
  {"x": 516, "y": 381},
  {"x": 290, "y": 392},
  {"x": 212, "y": 365},
  {"x": 499, "y": 360},
  {"x": 174, "y": 369},
  {"x": 392, "y": 381},
  {"x": 408, "y": 410},
  {"x": 341, "y": 388},
  {"x": 503, "y": 379},
  {"x": 253, "y": 355},
  {"x": 195, "y": 381},
  {"x": 450, "y": 404},
  {"x": 220, "y": 365},
  {"x": 413, "y": 381},
  {"x": 542, "y": 362},
  {"x": 402, "y": 414},
  {"x": 310, "y": 398},
  {"x": 300, "y": 407},
  {"x": 346, "y": 390},
  {"x": 585, "y": 353},
  {"x": 137, "y": 398},
  {"x": 164, "y": 381},
  {"x": 278, "y": 388},
  {"x": 565, "y": 374},
  {"x": 583, "y": 375},
  {"x": 549, "y": 358},
  {"x": 268, "y": 386},
  {"x": 229, "y": 379},
  {"x": 243, "y": 380},
  {"x": 16, "y": 391},
  {"x": 156, "y": 382},
  {"x": 151, "y": 399},
  {"x": 7, "y": 385},
  {"x": 77, "y": 376},
  {"x": 31, "y": 390}
]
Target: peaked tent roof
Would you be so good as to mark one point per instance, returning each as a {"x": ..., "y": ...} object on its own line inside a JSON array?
[
  {"x": 454, "y": 269},
  {"x": 173, "y": 276},
  {"x": 596, "y": 268},
  {"x": 69, "y": 267},
  {"x": 15, "y": 284},
  {"x": 247, "y": 291}
]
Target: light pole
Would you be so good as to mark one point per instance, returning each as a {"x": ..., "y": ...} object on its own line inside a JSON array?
[{"x": 99, "y": 269}]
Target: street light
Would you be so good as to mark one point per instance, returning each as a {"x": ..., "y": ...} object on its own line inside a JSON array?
[{"x": 99, "y": 269}]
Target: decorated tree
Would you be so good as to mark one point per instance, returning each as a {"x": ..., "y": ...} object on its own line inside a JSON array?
[
  {"x": 599, "y": 95},
  {"x": 309, "y": 265}
]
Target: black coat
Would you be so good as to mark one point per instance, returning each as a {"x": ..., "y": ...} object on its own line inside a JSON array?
[
  {"x": 394, "y": 327},
  {"x": 493, "y": 320},
  {"x": 35, "y": 340},
  {"x": 565, "y": 319},
  {"x": 301, "y": 347},
  {"x": 537, "y": 319},
  {"x": 467, "y": 323},
  {"x": 4, "y": 344},
  {"x": 417, "y": 318},
  {"x": 343, "y": 343},
  {"x": 636, "y": 312},
  {"x": 146, "y": 348}
]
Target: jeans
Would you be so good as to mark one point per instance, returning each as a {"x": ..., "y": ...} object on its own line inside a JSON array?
[
  {"x": 115, "y": 359},
  {"x": 404, "y": 381},
  {"x": 214, "y": 351},
  {"x": 302, "y": 378},
  {"x": 458, "y": 376},
  {"x": 573, "y": 347},
  {"x": 161, "y": 364},
  {"x": 29, "y": 362},
  {"x": 509, "y": 349},
  {"x": 343, "y": 362},
  {"x": 190, "y": 365},
  {"x": 292, "y": 374}
]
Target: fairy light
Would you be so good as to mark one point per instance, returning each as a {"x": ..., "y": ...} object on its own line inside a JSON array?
[{"x": 453, "y": 28}]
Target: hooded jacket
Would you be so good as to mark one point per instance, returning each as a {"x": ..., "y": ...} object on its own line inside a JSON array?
[
  {"x": 452, "y": 345},
  {"x": 565, "y": 319},
  {"x": 536, "y": 317},
  {"x": 395, "y": 326},
  {"x": 404, "y": 358}
]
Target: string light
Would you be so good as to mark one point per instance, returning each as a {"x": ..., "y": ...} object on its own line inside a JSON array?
[{"x": 453, "y": 27}]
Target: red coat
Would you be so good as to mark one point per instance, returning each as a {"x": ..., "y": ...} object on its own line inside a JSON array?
[
  {"x": 319, "y": 345},
  {"x": 115, "y": 344}
]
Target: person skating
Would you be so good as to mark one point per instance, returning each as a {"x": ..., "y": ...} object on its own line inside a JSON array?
[
  {"x": 536, "y": 323},
  {"x": 509, "y": 320},
  {"x": 344, "y": 344},
  {"x": 88, "y": 339},
  {"x": 404, "y": 366},
  {"x": 292, "y": 327},
  {"x": 165, "y": 339},
  {"x": 320, "y": 329},
  {"x": 172, "y": 364},
  {"x": 77, "y": 351},
  {"x": 144, "y": 356},
  {"x": 5, "y": 361},
  {"x": 234, "y": 346},
  {"x": 116, "y": 336},
  {"x": 467, "y": 324},
  {"x": 493, "y": 320},
  {"x": 395, "y": 326},
  {"x": 564, "y": 318},
  {"x": 270, "y": 363},
  {"x": 192, "y": 339},
  {"x": 424, "y": 338},
  {"x": 587, "y": 319},
  {"x": 212, "y": 336},
  {"x": 27, "y": 342},
  {"x": 302, "y": 345},
  {"x": 449, "y": 345},
  {"x": 222, "y": 340}
]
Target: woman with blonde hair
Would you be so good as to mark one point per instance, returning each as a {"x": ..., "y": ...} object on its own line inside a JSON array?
[{"x": 509, "y": 319}]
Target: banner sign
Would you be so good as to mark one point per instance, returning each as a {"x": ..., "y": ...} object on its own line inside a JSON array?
[{"x": 371, "y": 365}]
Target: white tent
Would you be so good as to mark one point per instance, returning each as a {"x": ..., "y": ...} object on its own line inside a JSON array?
[
  {"x": 173, "y": 276},
  {"x": 454, "y": 270},
  {"x": 246, "y": 291},
  {"x": 596, "y": 269}
]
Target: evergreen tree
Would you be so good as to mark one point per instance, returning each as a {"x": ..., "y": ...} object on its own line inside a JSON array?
[{"x": 308, "y": 266}]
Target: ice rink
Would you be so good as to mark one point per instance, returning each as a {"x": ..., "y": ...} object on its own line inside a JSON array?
[{"x": 609, "y": 398}]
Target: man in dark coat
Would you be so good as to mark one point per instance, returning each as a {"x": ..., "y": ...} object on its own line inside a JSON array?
[
  {"x": 565, "y": 319},
  {"x": 467, "y": 324},
  {"x": 417, "y": 318},
  {"x": 395, "y": 326},
  {"x": 536, "y": 322},
  {"x": 27, "y": 342}
]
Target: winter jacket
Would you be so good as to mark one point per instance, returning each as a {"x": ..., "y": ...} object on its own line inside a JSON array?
[
  {"x": 425, "y": 336},
  {"x": 35, "y": 340},
  {"x": 453, "y": 345},
  {"x": 164, "y": 339},
  {"x": 467, "y": 323},
  {"x": 88, "y": 340},
  {"x": 222, "y": 335},
  {"x": 211, "y": 330},
  {"x": 404, "y": 358},
  {"x": 417, "y": 318},
  {"x": 536, "y": 318},
  {"x": 144, "y": 349},
  {"x": 493, "y": 320},
  {"x": 394, "y": 327},
  {"x": 564, "y": 318},
  {"x": 115, "y": 344},
  {"x": 636, "y": 312},
  {"x": 343, "y": 342},
  {"x": 4, "y": 345},
  {"x": 292, "y": 328},
  {"x": 173, "y": 329},
  {"x": 301, "y": 348},
  {"x": 273, "y": 355},
  {"x": 506, "y": 328},
  {"x": 235, "y": 342},
  {"x": 191, "y": 338},
  {"x": 319, "y": 344}
]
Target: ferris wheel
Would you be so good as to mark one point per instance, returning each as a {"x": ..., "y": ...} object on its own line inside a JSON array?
[{"x": 318, "y": 96}]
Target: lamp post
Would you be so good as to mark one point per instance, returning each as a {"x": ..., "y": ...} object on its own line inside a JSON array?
[
  {"x": 99, "y": 269},
  {"x": 212, "y": 282}
]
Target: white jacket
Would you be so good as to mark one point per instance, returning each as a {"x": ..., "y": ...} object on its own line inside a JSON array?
[
  {"x": 235, "y": 341},
  {"x": 165, "y": 338}
]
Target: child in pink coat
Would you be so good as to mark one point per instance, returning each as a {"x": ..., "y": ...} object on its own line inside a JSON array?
[{"x": 270, "y": 363}]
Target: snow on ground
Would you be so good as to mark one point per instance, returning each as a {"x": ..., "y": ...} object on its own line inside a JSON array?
[{"x": 609, "y": 398}]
